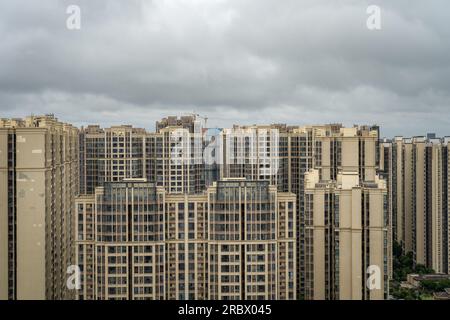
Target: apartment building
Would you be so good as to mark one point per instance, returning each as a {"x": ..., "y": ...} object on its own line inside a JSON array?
[
  {"x": 351, "y": 149},
  {"x": 257, "y": 152},
  {"x": 392, "y": 170},
  {"x": 174, "y": 160},
  {"x": 110, "y": 154},
  {"x": 417, "y": 169},
  {"x": 120, "y": 244},
  {"x": 171, "y": 157},
  {"x": 252, "y": 241},
  {"x": 284, "y": 154},
  {"x": 38, "y": 184},
  {"x": 190, "y": 123},
  {"x": 166, "y": 170},
  {"x": 135, "y": 240},
  {"x": 346, "y": 238}
]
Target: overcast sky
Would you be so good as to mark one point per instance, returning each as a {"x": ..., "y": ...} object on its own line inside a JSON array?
[{"x": 237, "y": 61}]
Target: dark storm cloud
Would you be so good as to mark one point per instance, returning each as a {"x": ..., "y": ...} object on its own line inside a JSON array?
[{"x": 241, "y": 61}]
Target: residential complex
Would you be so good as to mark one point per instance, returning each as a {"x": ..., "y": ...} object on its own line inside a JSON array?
[
  {"x": 284, "y": 154},
  {"x": 416, "y": 170},
  {"x": 186, "y": 212}
]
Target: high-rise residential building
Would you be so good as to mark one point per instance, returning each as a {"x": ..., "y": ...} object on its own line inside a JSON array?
[
  {"x": 189, "y": 123},
  {"x": 135, "y": 240},
  {"x": 303, "y": 148},
  {"x": 156, "y": 221},
  {"x": 418, "y": 179},
  {"x": 174, "y": 159},
  {"x": 338, "y": 150},
  {"x": 171, "y": 157},
  {"x": 392, "y": 170},
  {"x": 38, "y": 184},
  {"x": 120, "y": 241},
  {"x": 255, "y": 152},
  {"x": 301, "y": 158},
  {"x": 347, "y": 238},
  {"x": 350, "y": 149},
  {"x": 276, "y": 153},
  {"x": 438, "y": 213},
  {"x": 110, "y": 154},
  {"x": 284, "y": 154},
  {"x": 252, "y": 241}
]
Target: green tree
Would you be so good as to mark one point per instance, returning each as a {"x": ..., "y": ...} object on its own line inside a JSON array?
[
  {"x": 403, "y": 265},
  {"x": 430, "y": 286},
  {"x": 421, "y": 269}
]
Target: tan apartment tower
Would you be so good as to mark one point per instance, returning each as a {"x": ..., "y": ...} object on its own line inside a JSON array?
[
  {"x": 38, "y": 184},
  {"x": 347, "y": 249},
  {"x": 418, "y": 175}
]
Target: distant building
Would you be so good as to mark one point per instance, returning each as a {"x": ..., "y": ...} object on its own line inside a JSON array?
[
  {"x": 417, "y": 173},
  {"x": 414, "y": 280},
  {"x": 445, "y": 295}
]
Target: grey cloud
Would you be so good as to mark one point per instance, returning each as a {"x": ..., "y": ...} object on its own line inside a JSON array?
[{"x": 235, "y": 61}]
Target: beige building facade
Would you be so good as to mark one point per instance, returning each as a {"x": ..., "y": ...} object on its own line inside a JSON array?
[
  {"x": 347, "y": 238},
  {"x": 417, "y": 171},
  {"x": 110, "y": 154},
  {"x": 38, "y": 184},
  {"x": 123, "y": 152},
  {"x": 128, "y": 176},
  {"x": 235, "y": 241},
  {"x": 284, "y": 154}
]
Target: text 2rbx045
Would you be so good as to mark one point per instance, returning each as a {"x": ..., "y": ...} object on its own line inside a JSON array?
[{"x": 246, "y": 309}]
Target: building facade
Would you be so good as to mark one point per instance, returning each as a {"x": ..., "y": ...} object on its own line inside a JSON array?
[
  {"x": 284, "y": 154},
  {"x": 155, "y": 221},
  {"x": 418, "y": 177},
  {"x": 38, "y": 184},
  {"x": 174, "y": 160},
  {"x": 110, "y": 154},
  {"x": 347, "y": 238},
  {"x": 235, "y": 241},
  {"x": 170, "y": 157}
]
